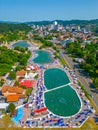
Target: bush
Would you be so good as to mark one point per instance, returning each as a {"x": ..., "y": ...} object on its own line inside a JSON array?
[
  {"x": 11, "y": 107},
  {"x": 28, "y": 91}
]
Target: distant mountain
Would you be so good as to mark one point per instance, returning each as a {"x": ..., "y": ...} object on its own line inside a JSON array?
[
  {"x": 9, "y": 22},
  {"x": 6, "y": 27},
  {"x": 64, "y": 22},
  {"x": 39, "y": 22}
]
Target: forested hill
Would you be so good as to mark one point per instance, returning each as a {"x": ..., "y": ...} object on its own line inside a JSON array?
[
  {"x": 65, "y": 22},
  {"x": 6, "y": 27}
]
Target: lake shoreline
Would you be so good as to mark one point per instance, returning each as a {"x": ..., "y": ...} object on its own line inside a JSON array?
[{"x": 14, "y": 42}]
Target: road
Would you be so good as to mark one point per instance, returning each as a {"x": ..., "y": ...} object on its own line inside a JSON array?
[{"x": 85, "y": 80}]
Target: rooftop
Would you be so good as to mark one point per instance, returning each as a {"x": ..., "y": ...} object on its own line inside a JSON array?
[
  {"x": 28, "y": 83},
  {"x": 12, "y": 89},
  {"x": 13, "y": 98},
  {"x": 21, "y": 72},
  {"x": 3, "y": 105}
]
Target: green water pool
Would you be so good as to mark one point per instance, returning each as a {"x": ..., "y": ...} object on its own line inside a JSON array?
[
  {"x": 21, "y": 44},
  {"x": 62, "y": 101},
  {"x": 55, "y": 77},
  {"x": 43, "y": 57}
]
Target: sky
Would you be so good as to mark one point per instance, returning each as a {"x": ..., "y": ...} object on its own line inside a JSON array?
[{"x": 39, "y": 10}]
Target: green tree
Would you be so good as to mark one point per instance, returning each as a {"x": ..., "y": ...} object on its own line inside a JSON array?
[
  {"x": 28, "y": 91},
  {"x": 17, "y": 83},
  {"x": 56, "y": 55},
  {"x": 36, "y": 76},
  {"x": 12, "y": 75},
  {"x": 11, "y": 107},
  {"x": 1, "y": 82},
  {"x": 96, "y": 82}
]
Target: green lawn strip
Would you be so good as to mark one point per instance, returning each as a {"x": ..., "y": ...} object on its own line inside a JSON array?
[
  {"x": 63, "y": 62},
  {"x": 85, "y": 91}
]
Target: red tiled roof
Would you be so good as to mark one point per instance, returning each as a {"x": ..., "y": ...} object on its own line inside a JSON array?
[
  {"x": 12, "y": 89},
  {"x": 21, "y": 73},
  {"x": 28, "y": 83},
  {"x": 4, "y": 89},
  {"x": 21, "y": 95},
  {"x": 13, "y": 98}
]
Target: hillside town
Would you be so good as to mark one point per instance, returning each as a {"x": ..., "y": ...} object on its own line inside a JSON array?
[
  {"x": 23, "y": 87},
  {"x": 64, "y": 34}
]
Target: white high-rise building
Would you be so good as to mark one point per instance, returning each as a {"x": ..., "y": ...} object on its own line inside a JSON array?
[{"x": 55, "y": 23}]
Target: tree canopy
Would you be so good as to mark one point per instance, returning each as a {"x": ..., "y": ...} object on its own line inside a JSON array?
[
  {"x": 10, "y": 32},
  {"x": 11, "y": 57},
  {"x": 11, "y": 107},
  {"x": 10, "y": 27},
  {"x": 90, "y": 55}
]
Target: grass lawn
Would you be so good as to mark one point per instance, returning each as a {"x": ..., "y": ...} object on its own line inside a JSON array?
[{"x": 63, "y": 62}]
